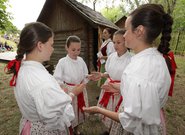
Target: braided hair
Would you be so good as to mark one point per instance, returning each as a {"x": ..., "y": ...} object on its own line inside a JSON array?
[
  {"x": 156, "y": 22},
  {"x": 31, "y": 34}
]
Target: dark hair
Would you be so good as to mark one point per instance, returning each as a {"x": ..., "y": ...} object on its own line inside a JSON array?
[
  {"x": 109, "y": 30},
  {"x": 30, "y": 35},
  {"x": 156, "y": 21},
  {"x": 71, "y": 39}
]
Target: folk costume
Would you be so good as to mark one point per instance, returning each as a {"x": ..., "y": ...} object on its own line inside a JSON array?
[
  {"x": 114, "y": 66},
  {"x": 45, "y": 107},
  {"x": 70, "y": 73}
]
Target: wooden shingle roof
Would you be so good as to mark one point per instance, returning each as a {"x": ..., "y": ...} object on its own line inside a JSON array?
[{"x": 87, "y": 13}]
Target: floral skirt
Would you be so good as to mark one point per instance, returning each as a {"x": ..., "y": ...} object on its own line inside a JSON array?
[{"x": 38, "y": 128}]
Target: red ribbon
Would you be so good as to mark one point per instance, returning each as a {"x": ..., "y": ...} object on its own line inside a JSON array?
[
  {"x": 70, "y": 130},
  {"x": 105, "y": 99},
  {"x": 106, "y": 96},
  {"x": 119, "y": 103},
  {"x": 170, "y": 55},
  {"x": 98, "y": 65},
  {"x": 16, "y": 65},
  {"x": 80, "y": 98}
]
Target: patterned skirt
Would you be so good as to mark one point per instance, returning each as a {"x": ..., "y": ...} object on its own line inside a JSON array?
[
  {"x": 38, "y": 128},
  {"x": 117, "y": 129}
]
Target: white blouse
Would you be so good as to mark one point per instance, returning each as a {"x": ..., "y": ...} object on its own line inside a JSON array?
[
  {"x": 144, "y": 85},
  {"x": 110, "y": 46},
  {"x": 115, "y": 65},
  {"x": 110, "y": 49},
  {"x": 40, "y": 97},
  {"x": 71, "y": 71}
]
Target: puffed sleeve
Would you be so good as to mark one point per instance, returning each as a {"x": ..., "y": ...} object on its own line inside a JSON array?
[
  {"x": 85, "y": 71},
  {"x": 110, "y": 48},
  {"x": 53, "y": 106},
  {"x": 58, "y": 73},
  {"x": 141, "y": 103}
]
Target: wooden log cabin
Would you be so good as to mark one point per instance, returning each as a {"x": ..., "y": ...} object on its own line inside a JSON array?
[
  {"x": 69, "y": 17},
  {"x": 121, "y": 22}
]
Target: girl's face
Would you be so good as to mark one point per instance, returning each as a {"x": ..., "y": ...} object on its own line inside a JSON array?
[
  {"x": 129, "y": 35},
  {"x": 119, "y": 44},
  {"x": 47, "y": 49},
  {"x": 106, "y": 35},
  {"x": 74, "y": 50}
]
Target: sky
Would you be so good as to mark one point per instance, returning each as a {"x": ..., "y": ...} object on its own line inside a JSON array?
[{"x": 25, "y": 11}]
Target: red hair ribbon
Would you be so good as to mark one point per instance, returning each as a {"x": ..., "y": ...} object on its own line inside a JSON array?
[
  {"x": 170, "y": 55},
  {"x": 16, "y": 65}
]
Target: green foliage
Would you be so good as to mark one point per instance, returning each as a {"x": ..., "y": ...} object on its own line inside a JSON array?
[
  {"x": 114, "y": 13},
  {"x": 5, "y": 18},
  {"x": 179, "y": 16},
  {"x": 4, "y": 15}
]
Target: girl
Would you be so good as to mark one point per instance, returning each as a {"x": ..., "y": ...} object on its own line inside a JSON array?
[
  {"x": 105, "y": 50},
  {"x": 45, "y": 107},
  {"x": 146, "y": 80},
  {"x": 70, "y": 72},
  {"x": 114, "y": 67}
]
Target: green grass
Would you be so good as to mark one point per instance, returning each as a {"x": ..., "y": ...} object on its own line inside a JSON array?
[
  {"x": 174, "y": 109},
  {"x": 180, "y": 60}
]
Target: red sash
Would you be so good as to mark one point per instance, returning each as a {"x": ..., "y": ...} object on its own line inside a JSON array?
[
  {"x": 106, "y": 96},
  {"x": 170, "y": 55},
  {"x": 119, "y": 103},
  {"x": 80, "y": 98},
  {"x": 70, "y": 130}
]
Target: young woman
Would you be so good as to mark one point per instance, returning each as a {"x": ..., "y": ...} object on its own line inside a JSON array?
[
  {"x": 105, "y": 50},
  {"x": 146, "y": 80},
  {"x": 114, "y": 67},
  {"x": 45, "y": 107}
]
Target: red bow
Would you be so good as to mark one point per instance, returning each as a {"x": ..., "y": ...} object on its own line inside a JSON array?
[
  {"x": 16, "y": 65},
  {"x": 170, "y": 55}
]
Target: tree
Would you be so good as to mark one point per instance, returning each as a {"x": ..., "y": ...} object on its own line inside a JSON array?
[
  {"x": 114, "y": 13},
  {"x": 178, "y": 15},
  {"x": 5, "y": 17}
]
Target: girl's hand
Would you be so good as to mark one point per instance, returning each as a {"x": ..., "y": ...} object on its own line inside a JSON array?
[
  {"x": 92, "y": 110},
  {"x": 64, "y": 89},
  {"x": 78, "y": 89},
  {"x": 95, "y": 76},
  {"x": 109, "y": 88}
]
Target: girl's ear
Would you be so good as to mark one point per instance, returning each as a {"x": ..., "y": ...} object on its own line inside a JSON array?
[
  {"x": 39, "y": 46},
  {"x": 140, "y": 31}
]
